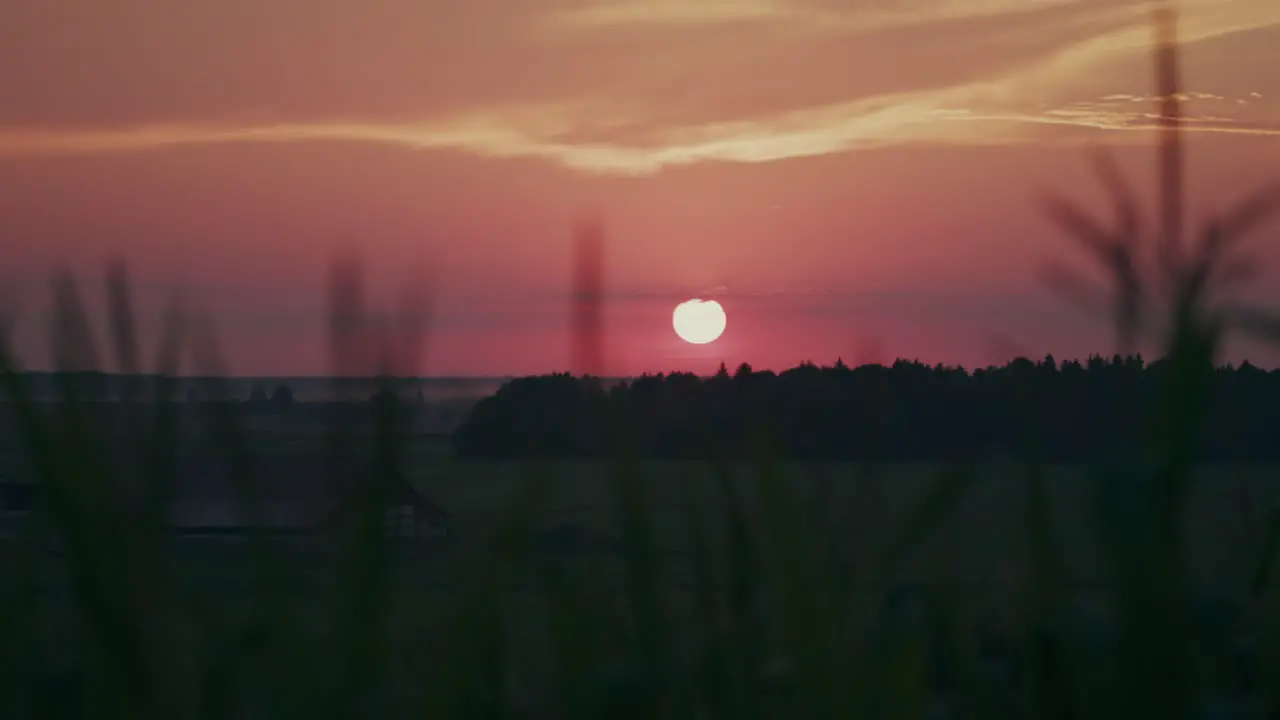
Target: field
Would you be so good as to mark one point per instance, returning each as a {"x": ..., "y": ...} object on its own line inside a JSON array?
[
  {"x": 890, "y": 532},
  {"x": 976, "y": 550},
  {"x": 978, "y": 542}
]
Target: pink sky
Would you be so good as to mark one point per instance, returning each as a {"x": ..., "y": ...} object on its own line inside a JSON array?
[{"x": 852, "y": 183}]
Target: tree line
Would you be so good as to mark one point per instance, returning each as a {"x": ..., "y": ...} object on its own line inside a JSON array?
[{"x": 1101, "y": 408}]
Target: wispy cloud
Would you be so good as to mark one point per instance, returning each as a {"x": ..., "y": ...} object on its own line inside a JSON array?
[
  {"x": 1200, "y": 18},
  {"x": 1203, "y": 112},
  {"x": 598, "y": 14},
  {"x": 605, "y": 137},
  {"x": 1085, "y": 116},
  {"x": 930, "y": 117},
  {"x": 979, "y": 113},
  {"x": 866, "y": 123},
  {"x": 604, "y": 13}
]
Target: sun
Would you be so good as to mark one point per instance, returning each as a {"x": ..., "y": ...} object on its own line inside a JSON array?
[{"x": 698, "y": 321}]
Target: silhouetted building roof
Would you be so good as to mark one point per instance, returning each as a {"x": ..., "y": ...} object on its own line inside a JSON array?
[
  {"x": 279, "y": 493},
  {"x": 276, "y": 494}
]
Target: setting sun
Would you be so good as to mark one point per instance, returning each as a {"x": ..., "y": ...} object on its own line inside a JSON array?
[{"x": 698, "y": 321}]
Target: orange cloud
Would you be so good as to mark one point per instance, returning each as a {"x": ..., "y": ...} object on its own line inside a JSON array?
[
  {"x": 595, "y": 134},
  {"x": 954, "y": 115},
  {"x": 597, "y": 14},
  {"x": 667, "y": 12},
  {"x": 1200, "y": 18}
]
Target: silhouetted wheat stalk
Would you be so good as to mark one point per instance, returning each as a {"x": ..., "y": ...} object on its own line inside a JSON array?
[
  {"x": 106, "y": 495},
  {"x": 1163, "y": 285}
]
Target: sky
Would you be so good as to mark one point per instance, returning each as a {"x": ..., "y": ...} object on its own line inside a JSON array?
[{"x": 856, "y": 183}]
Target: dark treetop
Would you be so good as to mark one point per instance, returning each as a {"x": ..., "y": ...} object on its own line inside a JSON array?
[{"x": 907, "y": 412}]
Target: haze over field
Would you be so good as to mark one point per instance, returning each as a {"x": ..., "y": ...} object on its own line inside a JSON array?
[
  {"x": 313, "y": 389},
  {"x": 845, "y": 182}
]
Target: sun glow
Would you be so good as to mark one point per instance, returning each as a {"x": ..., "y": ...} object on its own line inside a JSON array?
[{"x": 698, "y": 321}]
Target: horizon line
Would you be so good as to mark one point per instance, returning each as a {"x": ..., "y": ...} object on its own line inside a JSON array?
[{"x": 731, "y": 367}]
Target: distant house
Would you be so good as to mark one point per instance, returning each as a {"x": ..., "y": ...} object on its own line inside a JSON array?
[
  {"x": 17, "y": 493},
  {"x": 291, "y": 496},
  {"x": 16, "y": 501},
  {"x": 16, "y": 496}
]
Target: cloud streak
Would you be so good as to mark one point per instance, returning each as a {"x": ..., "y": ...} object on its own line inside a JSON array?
[
  {"x": 607, "y": 138},
  {"x": 929, "y": 117},
  {"x": 1200, "y": 18},
  {"x": 606, "y": 14},
  {"x": 596, "y": 15}
]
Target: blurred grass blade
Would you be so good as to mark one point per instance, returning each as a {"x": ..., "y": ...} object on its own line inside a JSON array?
[
  {"x": 370, "y": 576},
  {"x": 646, "y": 589},
  {"x": 950, "y": 487},
  {"x": 713, "y": 673},
  {"x": 472, "y": 683},
  {"x": 743, "y": 620},
  {"x": 1261, "y": 580},
  {"x": 574, "y": 624},
  {"x": 1170, "y": 165},
  {"x": 123, "y": 329},
  {"x": 1079, "y": 226},
  {"x": 73, "y": 348},
  {"x": 1257, "y": 323},
  {"x": 164, "y": 437},
  {"x": 1053, "y": 694},
  {"x": 807, "y": 604},
  {"x": 1128, "y": 219},
  {"x": 1235, "y": 225},
  {"x": 67, "y": 459}
]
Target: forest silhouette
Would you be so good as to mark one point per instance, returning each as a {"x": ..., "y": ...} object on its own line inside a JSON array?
[{"x": 1072, "y": 411}]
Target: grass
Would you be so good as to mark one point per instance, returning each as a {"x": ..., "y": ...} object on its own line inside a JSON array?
[{"x": 766, "y": 614}]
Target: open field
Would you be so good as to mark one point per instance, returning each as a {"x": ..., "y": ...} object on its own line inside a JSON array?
[
  {"x": 977, "y": 545},
  {"x": 979, "y": 542},
  {"x": 976, "y": 553}
]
